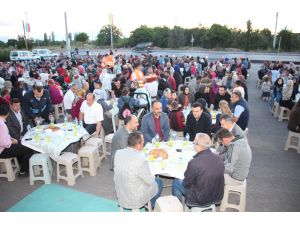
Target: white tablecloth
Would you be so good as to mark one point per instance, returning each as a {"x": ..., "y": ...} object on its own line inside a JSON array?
[
  {"x": 176, "y": 163},
  {"x": 53, "y": 142}
]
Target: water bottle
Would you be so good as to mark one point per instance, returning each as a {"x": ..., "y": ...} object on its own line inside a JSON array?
[
  {"x": 157, "y": 138},
  {"x": 187, "y": 137},
  {"x": 80, "y": 124},
  {"x": 174, "y": 135},
  {"x": 51, "y": 118},
  {"x": 75, "y": 121},
  {"x": 29, "y": 129},
  {"x": 65, "y": 120}
]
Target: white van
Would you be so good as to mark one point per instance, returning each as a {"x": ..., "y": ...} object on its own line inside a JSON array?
[
  {"x": 17, "y": 55},
  {"x": 44, "y": 53}
]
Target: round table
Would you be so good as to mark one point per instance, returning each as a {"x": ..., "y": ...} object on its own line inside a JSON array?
[{"x": 177, "y": 161}]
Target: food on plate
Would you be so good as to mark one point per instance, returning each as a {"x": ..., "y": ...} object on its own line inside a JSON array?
[
  {"x": 159, "y": 153},
  {"x": 52, "y": 128}
]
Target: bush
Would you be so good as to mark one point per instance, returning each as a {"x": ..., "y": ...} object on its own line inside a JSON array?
[{"x": 4, "y": 55}]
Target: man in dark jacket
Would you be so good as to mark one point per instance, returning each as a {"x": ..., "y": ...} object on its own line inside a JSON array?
[
  {"x": 240, "y": 111},
  {"x": 197, "y": 122},
  {"x": 203, "y": 182},
  {"x": 16, "y": 121},
  {"x": 37, "y": 103},
  {"x": 222, "y": 95}
]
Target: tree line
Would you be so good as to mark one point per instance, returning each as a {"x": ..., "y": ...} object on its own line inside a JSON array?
[{"x": 215, "y": 37}]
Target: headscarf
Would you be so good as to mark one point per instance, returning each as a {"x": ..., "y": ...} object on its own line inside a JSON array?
[{"x": 287, "y": 91}]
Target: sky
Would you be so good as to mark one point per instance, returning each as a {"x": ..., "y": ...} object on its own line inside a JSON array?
[{"x": 90, "y": 15}]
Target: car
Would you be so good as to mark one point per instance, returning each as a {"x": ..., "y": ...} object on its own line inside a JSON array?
[
  {"x": 143, "y": 47},
  {"x": 22, "y": 55},
  {"x": 44, "y": 53}
]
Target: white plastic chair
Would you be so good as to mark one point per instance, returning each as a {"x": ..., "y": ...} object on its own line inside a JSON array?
[{"x": 108, "y": 138}]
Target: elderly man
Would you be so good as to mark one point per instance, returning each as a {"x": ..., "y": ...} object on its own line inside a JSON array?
[
  {"x": 91, "y": 113},
  {"x": 227, "y": 122},
  {"x": 197, "y": 121},
  {"x": 237, "y": 157},
  {"x": 240, "y": 111},
  {"x": 69, "y": 98},
  {"x": 37, "y": 103},
  {"x": 16, "y": 121},
  {"x": 135, "y": 185},
  {"x": 119, "y": 140},
  {"x": 155, "y": 122},
  {"x": 203, "y": 182}
]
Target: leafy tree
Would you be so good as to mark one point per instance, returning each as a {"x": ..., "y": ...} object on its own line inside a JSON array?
[
  {"x": 218, "y": 36},
  {"x": 103, "y": 37},
  {"x": 176, "y": 37},
  {"x": 248, "y": 35},
  {"x": 21, "y": 42},
  {"x": 12, "y": 42},
  {"x": 81, "y": 37},
  {"x": 2, "y": 44},
  {"x": 289, "y": 40},
  {"x": 46, "y": 41},
  {"x": 141, "y": 34},
  {"x": 161, "y": 36}
]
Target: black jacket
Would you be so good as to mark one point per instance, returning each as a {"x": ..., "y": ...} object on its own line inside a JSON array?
[
  {"x": 219, "y": 97},
  {"x": 34, "y": 108},
  {"x": 192, "y": 126},
  {"x": 204, "y": 179},
  {"x": 14, "y": 126}
]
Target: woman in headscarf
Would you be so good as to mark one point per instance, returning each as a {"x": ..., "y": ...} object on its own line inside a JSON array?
[
  {"x": 177, "y": 76},
  {"x": 186, "y": 98},
  {"x": 287, "y": 92}
]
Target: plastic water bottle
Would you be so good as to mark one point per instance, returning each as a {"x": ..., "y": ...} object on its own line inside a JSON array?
[
  {"x": 174, "y": 136},
  {"x": 65, "y": 120},
  {"x": 80, "y": 124},
  {"x": 157, "y": 138},
  {"x": 187, "y": 137},
  {"x": 29, "y": 130},
  {"x": 51, "y": 118}
]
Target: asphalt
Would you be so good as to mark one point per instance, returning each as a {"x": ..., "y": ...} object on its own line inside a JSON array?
[{"x": 273, "y": 183}]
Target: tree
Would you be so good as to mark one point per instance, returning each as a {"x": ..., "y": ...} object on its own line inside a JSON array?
[
  {"x": 2, "y": 44},
  {"x": 176, "y": 37},
  {"x": 12, "y": 42},
  {"x": 81, "y": 37},
  {"x": 103, "y": 37},
  {"x": 248, "y": 35},
  {"x": 161, "y": 36},
  {"x": 218, "y": 36},
  {"x": 289, "y": 40},
  {"x": 141, "y": 34},
  {"x": 21, "y": 42}
]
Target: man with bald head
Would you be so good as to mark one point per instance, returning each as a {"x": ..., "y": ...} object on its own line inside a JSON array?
[
  {"x": 91, "y": 113},
  {"x": 203, "y": 182}
]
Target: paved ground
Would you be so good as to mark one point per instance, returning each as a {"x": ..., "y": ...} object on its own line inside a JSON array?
[{"x": 273, "y": 183}]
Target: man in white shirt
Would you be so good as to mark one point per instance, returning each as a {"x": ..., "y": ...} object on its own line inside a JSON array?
[
  {"x": 91, "y": 113},
  {"x": 69, "y": 98}
]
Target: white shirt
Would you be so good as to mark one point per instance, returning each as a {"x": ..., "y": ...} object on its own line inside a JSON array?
[
  {"x": 19, "y": 117},
  {"x": 92, "y": 114},
  {"x": 44, "y": 78},
  {"x": 238, "y": 110},
  {"x": 68, "y": 99},
  {"x": 106, "y": 79}
]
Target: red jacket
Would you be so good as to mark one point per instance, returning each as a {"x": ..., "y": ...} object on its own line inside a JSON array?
[
  {"x": 76, "y": 109},
  {"x": 172, "y": 82}
]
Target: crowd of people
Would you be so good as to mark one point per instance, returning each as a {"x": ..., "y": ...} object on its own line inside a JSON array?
[{"x": 89, "y": 87}]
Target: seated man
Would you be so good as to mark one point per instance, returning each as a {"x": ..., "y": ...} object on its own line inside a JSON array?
[
  {"x": 237, "y": 157},
  {"x": 16, "y": 121},
  {"x": 228, "y": 123},
  {"x": 197, "y": 122},
  {"x": 135, "y": 185},
  {"x": 155, "y": 122},
  {"x": 119, "y": 140},
  {"x": 203, "y": 182},
  {"x": 91, "y": 113},
  {"x": 10, "y": 147},
  {"x": 222, "y": 95},
  {"x": 240, "y": 111},
  {"x": 37, "y": 103}
]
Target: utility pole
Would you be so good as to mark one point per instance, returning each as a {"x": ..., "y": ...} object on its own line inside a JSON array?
[
  {"x": 274, "y": 40},
  {"x": 68, "y": 47},
  {"x": 111, "y": 31},
  {"x": 279, "y": 43}
]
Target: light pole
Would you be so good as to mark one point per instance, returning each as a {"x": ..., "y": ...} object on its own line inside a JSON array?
[
  {"x": 68, "y": 47},
  {"x": 111, "y": 31},
  {"x": 274, "y": 40}
]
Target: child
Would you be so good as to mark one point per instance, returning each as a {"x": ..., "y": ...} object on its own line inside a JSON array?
[
  {"x": 266, "y": 88},
  {"x": 98, "y": 91}
]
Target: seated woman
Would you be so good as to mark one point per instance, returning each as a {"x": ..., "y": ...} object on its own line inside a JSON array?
[
  {"x": 80, "y": 97},
  {"x": 10, "y": 147},
  {"x": 176, "y": 117},
  {"x": 56, "y": 93},
  {"x": 186, "y": 98},
  {"x": 126, "y": 99},
  {"x": 203, "y": 93},
  {"x": 164, "y": 100},
  {"x": 225, "y": 109},
  {"x": 294, "y": 120},
  {"x": 287, "y": 92}
]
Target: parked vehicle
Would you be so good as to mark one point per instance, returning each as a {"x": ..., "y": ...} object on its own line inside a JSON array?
[
  {"x": 143, "y": 47},
  {"x": 17, "y": 55},
  {"x": 44, "y": 53}
]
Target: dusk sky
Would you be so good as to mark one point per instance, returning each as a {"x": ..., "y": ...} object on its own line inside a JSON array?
[{"x": 90, "y": 15}]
